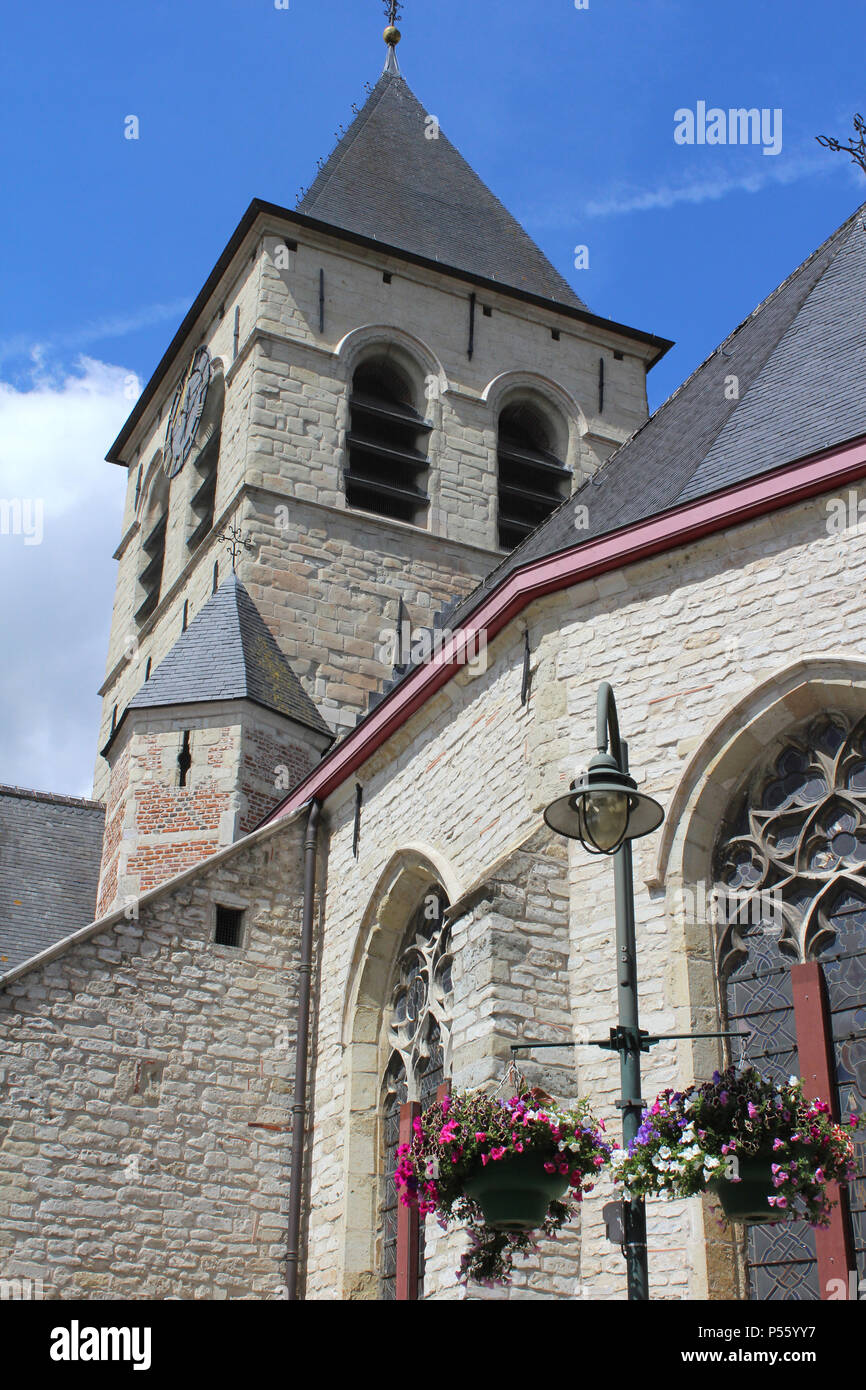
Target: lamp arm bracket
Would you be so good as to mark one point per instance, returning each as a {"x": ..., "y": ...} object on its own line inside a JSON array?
[{"x": 607, "y": 724}]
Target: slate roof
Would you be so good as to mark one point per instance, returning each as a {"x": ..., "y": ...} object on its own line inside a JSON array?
[
  {"x": 50, "y": 852},
  {"x": 387, "y": 180},
  {"x": 800, "y": 364},
  {"x": 227, "y": 653}
]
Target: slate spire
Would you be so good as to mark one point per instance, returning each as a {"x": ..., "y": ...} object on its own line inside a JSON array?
[
  {"x": 395, "y": 177},
  {"x": 228, "y": 653}
]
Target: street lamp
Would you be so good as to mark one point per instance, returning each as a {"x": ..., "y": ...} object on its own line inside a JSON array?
[{"x": 605, "y": 811}]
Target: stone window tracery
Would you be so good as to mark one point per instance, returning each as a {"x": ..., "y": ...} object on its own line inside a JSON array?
[
  {"x": 790, "y": 871},
  {"x": 798, "y": 831},
  {"x": 419, "y": 1038}
]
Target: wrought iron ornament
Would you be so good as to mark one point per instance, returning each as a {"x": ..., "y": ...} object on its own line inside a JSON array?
[
  {"x": 857, "y": 151},
  {"x": 186, "y": 411},
  {"x": 236, "y": 543}
]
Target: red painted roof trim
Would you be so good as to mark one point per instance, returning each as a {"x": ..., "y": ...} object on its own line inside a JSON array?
[{"x": 783, "y": 487}]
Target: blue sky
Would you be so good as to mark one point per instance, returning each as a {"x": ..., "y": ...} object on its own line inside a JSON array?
[{"x": 568, "y": 114}]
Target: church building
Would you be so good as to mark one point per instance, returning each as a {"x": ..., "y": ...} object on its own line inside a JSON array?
[{"x": 395, "y": 510}]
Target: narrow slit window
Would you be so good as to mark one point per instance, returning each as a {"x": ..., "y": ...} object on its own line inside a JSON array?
[{"x": 184, "y": 760}]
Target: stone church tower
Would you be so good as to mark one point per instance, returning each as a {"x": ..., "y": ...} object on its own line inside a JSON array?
[
  {"x": 378, "y": 395},
  {"x": 375, "y": 397}
]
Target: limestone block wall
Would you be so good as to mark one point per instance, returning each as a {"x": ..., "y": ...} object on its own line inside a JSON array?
[
  {"x": 145, "y": 1094},
  {"x": 766, "y": 618},
  {"x": 329, "y": 583},
  {"x": 286, "y": 414},
  {"x": 432, "y": 307},
  {"x": 692, "y": 642}
]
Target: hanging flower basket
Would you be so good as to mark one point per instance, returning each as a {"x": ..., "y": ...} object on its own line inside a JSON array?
[
  {"x": 747, "y": 1199},
  {"x": 515, "y": 1194},
  {"x": 762, "y": 1147},
  {"x": 501, "y": 1168}
]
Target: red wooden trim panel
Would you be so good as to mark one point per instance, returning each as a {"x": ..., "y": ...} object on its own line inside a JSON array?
[
  {"x": 407, "y": 1221},
  {"x": 818, "y": 1070}
]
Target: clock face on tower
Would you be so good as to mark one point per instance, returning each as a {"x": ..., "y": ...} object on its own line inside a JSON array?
[{"x": 186, "y": 412}]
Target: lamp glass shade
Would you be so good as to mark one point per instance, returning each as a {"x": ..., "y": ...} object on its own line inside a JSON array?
[{"x": 605, "y": 816}]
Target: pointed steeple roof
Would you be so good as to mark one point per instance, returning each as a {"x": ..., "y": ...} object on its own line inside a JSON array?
[
  {"x": 388, "y": 179},
  {"x": 227, "y": 653},
  {"x": 785, "y": 384}
]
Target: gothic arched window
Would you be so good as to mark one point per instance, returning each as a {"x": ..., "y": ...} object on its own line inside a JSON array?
[
  {"x": 388, "y": 442},
  {"x": 532, "y": 479},
  {"x": 790, "y": 874},
  {"x": 418, "y": 1037}
]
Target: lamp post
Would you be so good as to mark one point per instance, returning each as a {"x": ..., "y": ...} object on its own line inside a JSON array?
[{"x": 605, "y": 811}]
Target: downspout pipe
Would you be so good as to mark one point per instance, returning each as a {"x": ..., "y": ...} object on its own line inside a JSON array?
[{"x": 299, "y": 1106}]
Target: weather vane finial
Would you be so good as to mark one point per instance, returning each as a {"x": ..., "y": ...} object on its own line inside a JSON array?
[
  {"x": 236, "y": 543},
  {"x": 394, "y": 11},
  {"x": 858, "y": 151}
]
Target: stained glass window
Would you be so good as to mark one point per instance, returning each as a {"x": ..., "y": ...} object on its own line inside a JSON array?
[{"x": 790, "y": 874}]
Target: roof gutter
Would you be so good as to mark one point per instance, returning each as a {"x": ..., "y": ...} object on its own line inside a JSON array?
[{"x": 722, "y": 511}]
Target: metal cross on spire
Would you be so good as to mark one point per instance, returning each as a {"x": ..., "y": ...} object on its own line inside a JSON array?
[
  {"x": 857, "y": 151},
  {"x": 392, "y": 36},
  {"x": 236, "y": 543}
]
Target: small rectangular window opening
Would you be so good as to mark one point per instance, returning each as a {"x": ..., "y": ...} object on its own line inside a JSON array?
[
  {"x": 229, "y": 926},
  {"x": 488, "y": 312},
  {"x": 387, "y": 277},
  {"x": 554, "y": 333}
]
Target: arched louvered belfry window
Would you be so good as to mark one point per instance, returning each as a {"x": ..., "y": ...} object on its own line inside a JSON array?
[
  {"x": 388, "y": 444},
  {"x": 153, "y": 526},
  {"x": 418, "y": 1036},
  {"x": 533, "y": 480},
  {"x": 790, "y": 875},
  {"x": 205, "y": 460}
]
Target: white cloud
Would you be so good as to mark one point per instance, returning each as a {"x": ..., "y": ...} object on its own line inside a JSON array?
[
  {"x": 708, "y": 189},
  {"x": 58, "y": 594}
]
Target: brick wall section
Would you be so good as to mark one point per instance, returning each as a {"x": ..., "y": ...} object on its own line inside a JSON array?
[
  {"x": 158, "y": 828},
  {"x": 273, "y": 760},
  {"x": 138, "y": 1070}
]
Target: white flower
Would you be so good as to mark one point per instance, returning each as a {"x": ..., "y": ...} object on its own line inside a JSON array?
[
  {"x": 665, "y": 1151},
  {"x": 712, "y": 1162}
]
